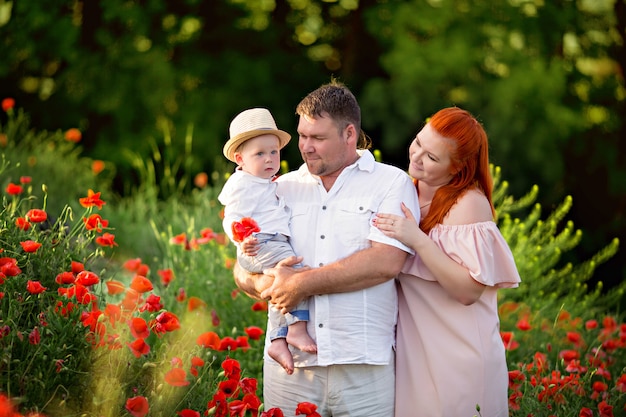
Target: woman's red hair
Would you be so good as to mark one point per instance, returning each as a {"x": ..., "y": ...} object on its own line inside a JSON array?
[{"x": 469, "y": 154}]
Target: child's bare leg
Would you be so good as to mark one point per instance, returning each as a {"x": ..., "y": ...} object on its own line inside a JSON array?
[
  {"x": 279, "y": 351},
  {"x": 297, "y": 336}
]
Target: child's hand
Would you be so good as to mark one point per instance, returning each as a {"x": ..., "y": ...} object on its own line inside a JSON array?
[{"x": 250, "y": 246}]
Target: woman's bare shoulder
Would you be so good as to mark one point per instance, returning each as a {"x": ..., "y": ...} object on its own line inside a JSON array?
[{"x": 471, "y": 207}]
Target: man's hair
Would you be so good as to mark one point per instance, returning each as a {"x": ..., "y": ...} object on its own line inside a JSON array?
[{"x": 337, "y": 101}]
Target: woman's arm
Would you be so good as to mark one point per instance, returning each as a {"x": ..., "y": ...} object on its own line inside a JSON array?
[{"x": 452, "y": 276}]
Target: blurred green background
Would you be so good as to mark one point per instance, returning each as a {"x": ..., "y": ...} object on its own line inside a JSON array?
[{"x": 546, "y": 78}]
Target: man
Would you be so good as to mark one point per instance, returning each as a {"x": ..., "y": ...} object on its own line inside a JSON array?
[{"x": 333, "y": 199}]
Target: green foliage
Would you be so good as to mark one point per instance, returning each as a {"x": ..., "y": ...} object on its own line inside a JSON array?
[
  {"x": 50, "y": 160},
  {"x": 538, "y": 247}
]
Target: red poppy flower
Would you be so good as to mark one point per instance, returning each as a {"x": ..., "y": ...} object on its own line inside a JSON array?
[
  {"x": 232, "y": 369},
  {"x": 132, "y": 264},
  {"x": 7, "y": 104},
  {"x": 14, "y": 189},
  {"x": 194, "y": 303},
  {"x": 242, "y": 342},
  {"x": 87, "y": 278},
  {"x": 180, "y": 239},
  {"x": 254, "y": 332},
  {"x": 569, "y": 355},
  {"x": 36, "y": 215},
  {"x": 114, "y": 313},
  {"x": 259, "y": 306},
  {"x": 208, "y": 340},
  {"x": 215, "y": 319},
  {"x": 34, "y": 337},
  {"x": 97, "y": 166},
  {"x": 30, "y": 246},
  {"x": 139, "y": 347},
  {"x": 523, "y": 325},
  {"x": 181, "y": 296},
  {"x": 176, "y": 377},
  {"x": 73, "y": 135},
  {"x": 22, "y": 223},
  {"x": 153, "y": 303},
  {"x": 208, "y": 233},
  {"x": 24, "y": 179},
  {"x": 248, "y": 402},
  {"x": 166, "y": 322},
  {"x": 35, "y": 287},
  {"x": 141, "y": 284},
  {"x": 248, "y": 385},
  {"x": 230, "y": 387},
  {"x": 605, "y": 409},
  {"x": 78, "y": 291},
  {"x": 77, "y": 267},
  {"x": 64, "y": 309},
  {"x": 509, "y": 342},
  {"x": 197, "y": 361},
  {"x": 307, "y": 409},
  {"x": 8, "y": 266},
  {"x": 106, "y": 239},
  {"x": 92, "y": 199},
  {"x": 188, "y": 413},
  {"x": 95, "y": 222},
  {"x": 244, "y": 228},
  {"x": 167, "y": 275},
  {"x": 139, "y": 328},
  {"x": 114, "y": 287},
  {"x": 273, "y": 412},
  {"x": 228, "y": 343},
  {"x": 137, "y": 406},
  {"x": 218, "y": 405}
]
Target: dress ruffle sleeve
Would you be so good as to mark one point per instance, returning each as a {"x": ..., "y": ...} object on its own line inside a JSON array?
[{"x": 480, "y": 247}]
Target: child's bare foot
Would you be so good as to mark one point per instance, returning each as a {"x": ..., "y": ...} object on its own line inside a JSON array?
[
  {"x": 279, "y": 351},
  {"x": 298, "y": 337}
]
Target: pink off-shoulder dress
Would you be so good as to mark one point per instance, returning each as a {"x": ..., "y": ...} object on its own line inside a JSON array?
[{"x": 450, "y": 357}]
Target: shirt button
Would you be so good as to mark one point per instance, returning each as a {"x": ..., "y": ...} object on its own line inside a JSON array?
[
  {"x": 361, "y": 208},
  {"x": 320, "y": 325},
  {"x": 321, "y": 264},
  {"x": 323, "y": 207},
  {"x": 323, "y": 237}
]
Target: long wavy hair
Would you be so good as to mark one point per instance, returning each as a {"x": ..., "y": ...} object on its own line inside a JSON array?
[{"x": 469, "y": 154}]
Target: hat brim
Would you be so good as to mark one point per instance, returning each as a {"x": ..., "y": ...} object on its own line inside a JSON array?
[{"x": 233, "y": 143}]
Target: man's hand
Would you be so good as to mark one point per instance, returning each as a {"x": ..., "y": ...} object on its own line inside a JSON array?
[{"x": 285, "y": 291}]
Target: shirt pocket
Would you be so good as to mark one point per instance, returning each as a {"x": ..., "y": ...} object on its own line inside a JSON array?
[
  {"x": 301, "y": 222},
  {"x": 353, "y": 222}
]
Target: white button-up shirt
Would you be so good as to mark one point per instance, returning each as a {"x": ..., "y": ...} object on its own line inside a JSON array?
[
  {"x": 355, "y": 327},
  {"x": 245, "y": 195}
]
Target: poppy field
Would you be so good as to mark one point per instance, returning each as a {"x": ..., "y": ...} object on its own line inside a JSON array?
[{"x": 126, "y": 306}]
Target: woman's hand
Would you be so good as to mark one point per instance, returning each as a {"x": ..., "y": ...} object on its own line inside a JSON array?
[{"x": 405, "y": 229}]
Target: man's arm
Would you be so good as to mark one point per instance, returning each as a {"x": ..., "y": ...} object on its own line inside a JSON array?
[
  {"x": 363, "y": 269},
  {"x": 251, "y": 284}
]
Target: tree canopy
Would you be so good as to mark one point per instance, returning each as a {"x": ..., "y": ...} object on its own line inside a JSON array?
[{"x": 545, "y": 78}]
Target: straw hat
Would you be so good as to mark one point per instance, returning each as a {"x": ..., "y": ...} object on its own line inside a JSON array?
[{"x": 249, "y": 124}]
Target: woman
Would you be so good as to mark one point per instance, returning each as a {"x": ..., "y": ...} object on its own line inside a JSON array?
[{"x": 450, "y": 357}]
